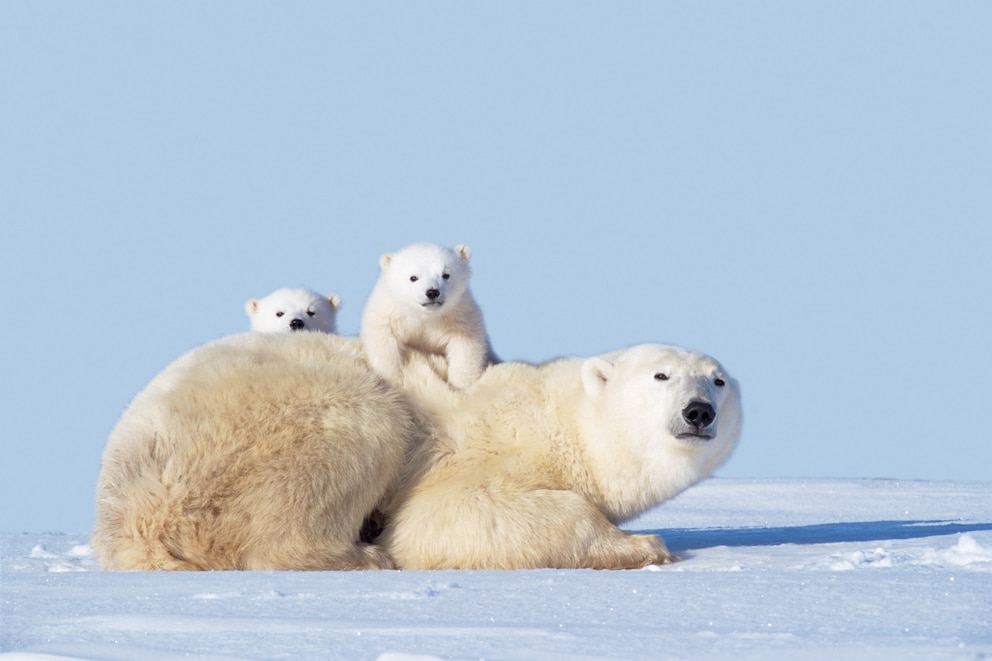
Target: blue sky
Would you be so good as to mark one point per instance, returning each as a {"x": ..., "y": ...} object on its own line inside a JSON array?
[{"x": 803, "y": 190}]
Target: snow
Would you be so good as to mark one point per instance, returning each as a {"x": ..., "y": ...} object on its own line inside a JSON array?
[{"x": 771, "y": 569}]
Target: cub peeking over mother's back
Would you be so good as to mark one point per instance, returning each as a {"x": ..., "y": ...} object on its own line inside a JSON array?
[
  {"x": 422, "y": 302},
  {"x": 288, "y": 310}
]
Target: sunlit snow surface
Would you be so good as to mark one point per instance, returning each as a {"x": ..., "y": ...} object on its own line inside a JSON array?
[{"x": 771, "y": 569}]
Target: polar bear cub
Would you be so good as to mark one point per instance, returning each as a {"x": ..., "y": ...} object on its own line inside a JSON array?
[
  {"x": 286, "y": 310},
  {"x": 256, "y": 451},
  {"x": 536, "y": 465},
  {"x": 422, "y": 302}
]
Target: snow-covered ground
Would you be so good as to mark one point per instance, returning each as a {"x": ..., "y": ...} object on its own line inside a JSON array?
[{"x": 772, "y": 569}]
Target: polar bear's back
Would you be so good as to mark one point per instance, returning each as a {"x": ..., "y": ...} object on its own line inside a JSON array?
[
  {"x": 253, "y": 451},
  {"x": 517, "y": 420},
  {"x": 518, "y": 404}
]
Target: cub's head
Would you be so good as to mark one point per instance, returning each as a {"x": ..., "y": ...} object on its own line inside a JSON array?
[
  {"x": 426, "y": 276},
  {"x": 288, "y": 310},
  {"x": 673, "y": 412}
]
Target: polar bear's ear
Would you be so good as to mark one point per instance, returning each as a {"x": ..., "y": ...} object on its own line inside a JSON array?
[
  {"x": 384, "y": 260},
  {"x": 595, "y": 373},
  {"x": 335, "y": 301},
  {"x": 251, "y": 307},
  {"x": 464, "y": 251}
]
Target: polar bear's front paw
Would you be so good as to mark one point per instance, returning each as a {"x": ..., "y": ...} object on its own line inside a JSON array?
[
  {"x": 632, "y": 552},
  {"x": 649, "y": 550}
]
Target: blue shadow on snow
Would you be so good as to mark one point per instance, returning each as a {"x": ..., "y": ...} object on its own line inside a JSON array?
[{"x": 686, "y": 539}]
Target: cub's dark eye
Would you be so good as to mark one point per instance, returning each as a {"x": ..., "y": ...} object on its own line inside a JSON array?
[
  {"x": 661, "y": 376},
  {"x": 279, "y": 314},
  {"x": 311, "y": 312},
  {"x": 445, "y": 276},
  {"x": 719, "y": 383},
  {"x": 414, "y": 278}
]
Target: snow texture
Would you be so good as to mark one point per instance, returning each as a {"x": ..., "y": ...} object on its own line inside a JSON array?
[{"x": 771, "y": 569}]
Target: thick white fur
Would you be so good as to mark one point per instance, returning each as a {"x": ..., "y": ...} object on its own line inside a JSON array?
[
  {"x": 257, "y": 451},
  {"x": 535, "y": 465},
  {"x": 287, "y": 310},
  {"x": 400, "y": 318}
]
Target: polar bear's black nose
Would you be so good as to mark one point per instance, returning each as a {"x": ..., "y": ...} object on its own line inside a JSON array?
[
  {"x": 432, "y": 293},
  {"x": 699, "y": 414},
  {"x": 296, "y": 324}
]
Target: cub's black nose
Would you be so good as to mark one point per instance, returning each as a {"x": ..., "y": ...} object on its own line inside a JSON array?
[
  {"x": 433, "y": 293},
  {"x": 296, "y": 324},
  {"x": 699, "y": 414}
]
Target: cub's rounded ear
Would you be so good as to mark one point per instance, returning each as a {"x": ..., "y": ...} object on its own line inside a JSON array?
[
  {"x": 335, "y": 301},
  {"x": 385, "y": 260},
  {"x": 464, "y": 251},
  {"x": 596, "y": 372},
  {"x": 251, "y": 307}
]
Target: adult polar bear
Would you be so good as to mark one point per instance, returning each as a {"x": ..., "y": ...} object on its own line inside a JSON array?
[
  {"x": 266, "y": 451},
  {"x": 257, "y": 451},
  {"x": 535, "y": 465}
]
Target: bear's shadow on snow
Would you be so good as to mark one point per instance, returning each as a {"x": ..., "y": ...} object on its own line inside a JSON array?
[{"x": 686, "y": 539}]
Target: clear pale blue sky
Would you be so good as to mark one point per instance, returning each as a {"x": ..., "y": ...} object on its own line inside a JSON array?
[{"x": 803, "y": 190}]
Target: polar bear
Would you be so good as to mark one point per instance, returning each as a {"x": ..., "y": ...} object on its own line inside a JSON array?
[
  {"x": 535, "y": 466},
  {"x": 256, "y": 451},
  {"x": 422, "y": 302},
  {"x": 286, "y": 310}
]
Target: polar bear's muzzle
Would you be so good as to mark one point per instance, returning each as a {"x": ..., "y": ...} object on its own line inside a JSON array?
[
  {"x": 434, "y": 298},
  {"x": 695, "y": 422}
]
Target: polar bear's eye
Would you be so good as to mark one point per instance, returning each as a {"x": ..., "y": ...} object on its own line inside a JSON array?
[
  {"x": 661, "y": 376},
  {"x": 445, "y": 276},
  {"x": 414, "y": 278},
  {"x": 311, "y": 312},
  {"x": 719, "y": 383},
  {"x": 279, "y": 314}
]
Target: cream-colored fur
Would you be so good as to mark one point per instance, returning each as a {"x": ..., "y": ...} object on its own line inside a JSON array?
[
  {"x": 257, "y": 451},
  {"x": 535, "y": 465},
  {"x": 422, "y": 303}
]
